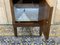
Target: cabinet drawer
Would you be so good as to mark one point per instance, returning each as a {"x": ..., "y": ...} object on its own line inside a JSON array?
[{"x": 26, "y": 14}]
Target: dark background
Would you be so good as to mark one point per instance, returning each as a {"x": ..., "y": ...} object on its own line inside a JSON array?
[{"x": 27, "y": 1}]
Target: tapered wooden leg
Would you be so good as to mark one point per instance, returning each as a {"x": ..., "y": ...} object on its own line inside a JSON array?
[
  {"x": 46, "y": 31},
  {"x": 15, "y": 31},
  {"x": 41, "y": 28}
]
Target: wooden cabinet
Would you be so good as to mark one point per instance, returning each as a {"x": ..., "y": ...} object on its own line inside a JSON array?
[{"x": 44, "y": 23}]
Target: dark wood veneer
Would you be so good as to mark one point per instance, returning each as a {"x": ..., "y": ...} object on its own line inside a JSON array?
[{"x": 44, "y": 24}]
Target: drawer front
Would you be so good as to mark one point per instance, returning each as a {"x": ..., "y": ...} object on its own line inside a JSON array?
[{"x": 26, "y": 14}]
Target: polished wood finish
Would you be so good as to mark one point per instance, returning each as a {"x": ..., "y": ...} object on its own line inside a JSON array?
[{"x": 44, "y": 24}]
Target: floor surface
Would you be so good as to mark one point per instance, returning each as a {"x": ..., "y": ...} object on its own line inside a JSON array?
[{"x": 7, "y": 36}]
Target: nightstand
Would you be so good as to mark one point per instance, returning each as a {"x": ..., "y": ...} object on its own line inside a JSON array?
[{"x": 31, "y": 15}]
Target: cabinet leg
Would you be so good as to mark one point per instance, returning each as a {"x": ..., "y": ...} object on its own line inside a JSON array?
[
  {"x": 46, "y": 32},
  {"x": 40, "y": 32},
  {"x": 15, "y": 31}
]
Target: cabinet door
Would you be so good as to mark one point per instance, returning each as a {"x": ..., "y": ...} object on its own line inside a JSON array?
[{"x": 3, "y": 17}]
